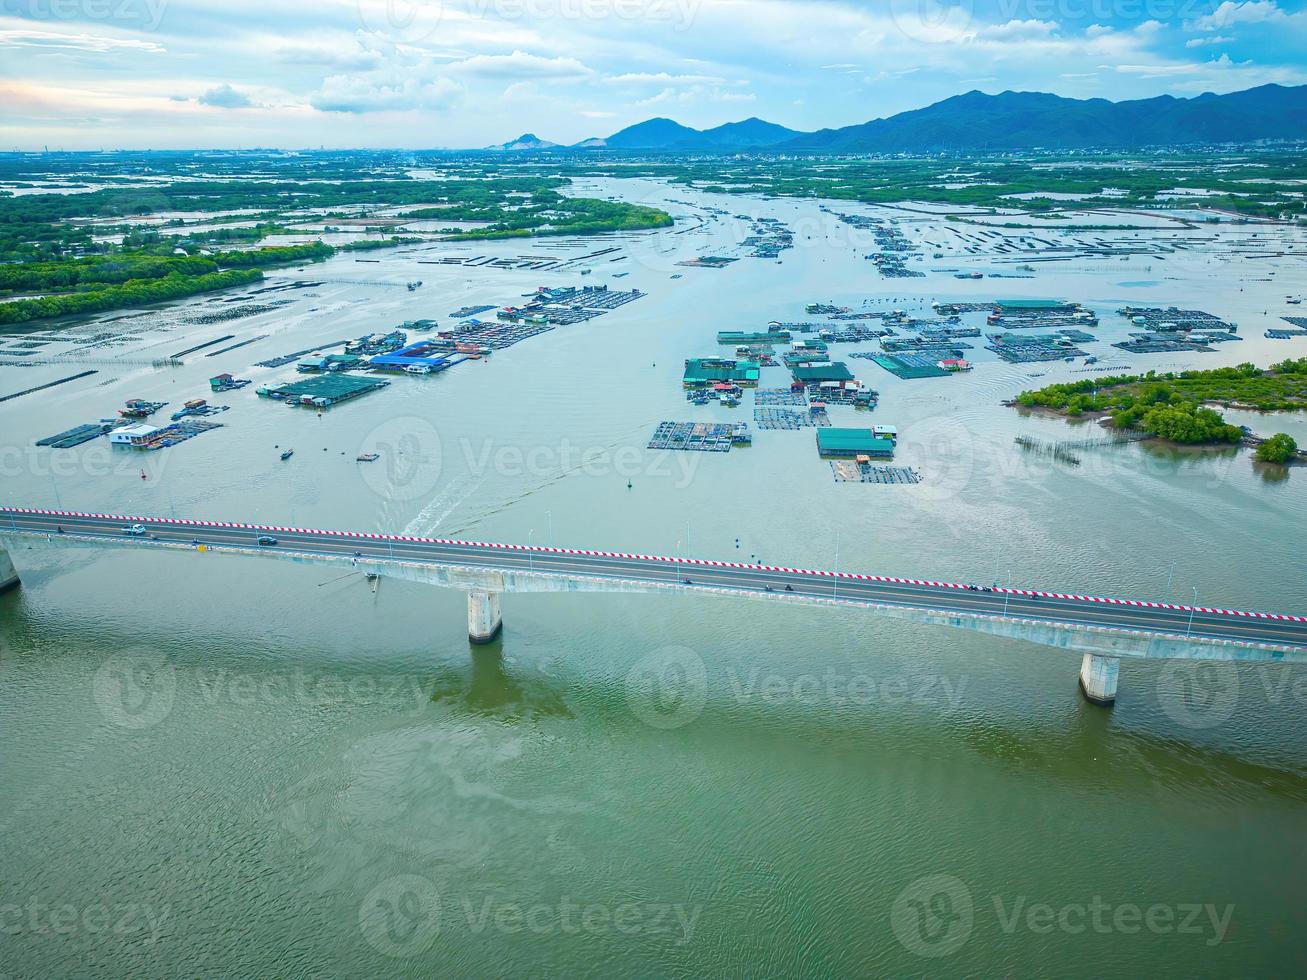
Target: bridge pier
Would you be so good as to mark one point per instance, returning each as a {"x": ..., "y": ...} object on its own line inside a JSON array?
[
  {"x": 483, "y": 619},
  {"x": 8, "y": 574},
  {"x": 1098, "y": 678}
]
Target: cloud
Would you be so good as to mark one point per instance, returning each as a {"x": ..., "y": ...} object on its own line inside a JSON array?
[
  {"x": 226, "y": 97},
  {"x": 75, "y": 42},
  {"x": 696, "y": 95},
  {"x": 355, "y": 72},
  {"x": 1015, "y": 30},
  {"x": 354, "y": 57},
  {"x": 414, "y": 80},
  {"x": 1154, "y": 71},
  {"x": 520, "y": 65},
  {"x": 389, "y": 89},
  {"x": 663, "y": 78},
  {"x": 1229, "y": 13}
]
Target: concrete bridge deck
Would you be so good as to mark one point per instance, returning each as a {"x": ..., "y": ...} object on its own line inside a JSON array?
[{"x": 1104, "y": 628}]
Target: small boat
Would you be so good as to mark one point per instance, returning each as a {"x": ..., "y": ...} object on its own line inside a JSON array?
[
  {"x": 368, "y": 457},
  {"x": 287, "y": 454}
]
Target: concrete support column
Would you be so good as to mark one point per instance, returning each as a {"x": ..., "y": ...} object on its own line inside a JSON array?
[
  {"x": 1098, "y": 678},
  {"x": 483, "y": 619},
  {"x": 8, "y": 574}
]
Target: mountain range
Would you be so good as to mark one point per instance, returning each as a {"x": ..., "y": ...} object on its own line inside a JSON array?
[{"x": 976, "y": 121}]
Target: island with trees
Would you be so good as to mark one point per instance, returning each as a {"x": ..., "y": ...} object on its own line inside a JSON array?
[{"x": 1181, "y": 407}]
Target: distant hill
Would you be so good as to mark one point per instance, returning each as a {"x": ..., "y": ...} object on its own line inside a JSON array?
[
  {"x": 527, "y": 141},
  {"x": 1028, "y": 120},
  {"x": 979, "y": 122},
  {"x": 747, "y": 133},
  {"x": 667, "y": 134}
]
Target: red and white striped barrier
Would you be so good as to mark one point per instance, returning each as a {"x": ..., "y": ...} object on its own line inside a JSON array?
[{"x": 699, "y": 562}]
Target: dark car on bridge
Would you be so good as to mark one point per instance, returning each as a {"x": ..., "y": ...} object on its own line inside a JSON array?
[{"x": 267, "y": 539}]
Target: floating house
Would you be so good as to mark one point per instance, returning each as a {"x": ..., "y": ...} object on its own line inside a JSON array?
[
  {"x": 853, "y": 442},
  {"x": 770, "y": 336},
  {"x": 134, "y": 435},
  {"x": 835, "y": 371},
  {"x": 323, "y": 392},
  {"x": 421, "y": 355},
  {"x": 700, "y": 372},
  {"x": 1035, "y": 306}
]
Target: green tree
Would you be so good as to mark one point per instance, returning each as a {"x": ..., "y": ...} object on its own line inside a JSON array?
[{"x": 1279, "y": 448}]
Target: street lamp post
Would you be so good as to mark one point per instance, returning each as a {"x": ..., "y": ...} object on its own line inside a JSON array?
[
  {"x": 1170, "y": 577},
  {"x": 55, "y": 486},
  {"x": 1192, "y": 609},
  {"x": 530, "y": 564}
]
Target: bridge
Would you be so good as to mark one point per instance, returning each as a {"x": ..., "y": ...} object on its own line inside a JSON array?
[{"x": 1102, "y": 630}]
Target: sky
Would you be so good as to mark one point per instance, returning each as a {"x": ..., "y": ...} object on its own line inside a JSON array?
[{"x": 180, "y": 74}]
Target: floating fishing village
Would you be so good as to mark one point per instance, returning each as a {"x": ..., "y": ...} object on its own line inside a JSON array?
[{"x": 812, "y": 366}]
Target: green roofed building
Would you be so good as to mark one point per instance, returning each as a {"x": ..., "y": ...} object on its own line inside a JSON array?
[
  {"x": 703, "y": 371},
  {"x": 817, "y": 373},
  {"x": 853, "y": 442},
  {"x": 1036, "y": 305},
  {"x": 753, "y": 337},
  {"x": 324, "y": 390}
]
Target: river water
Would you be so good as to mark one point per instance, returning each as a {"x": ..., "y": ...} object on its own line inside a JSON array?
[{"x": 229, "y": 766}]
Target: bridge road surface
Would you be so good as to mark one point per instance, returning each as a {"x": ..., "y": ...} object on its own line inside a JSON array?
[{"x": 1058, "y": 609}]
